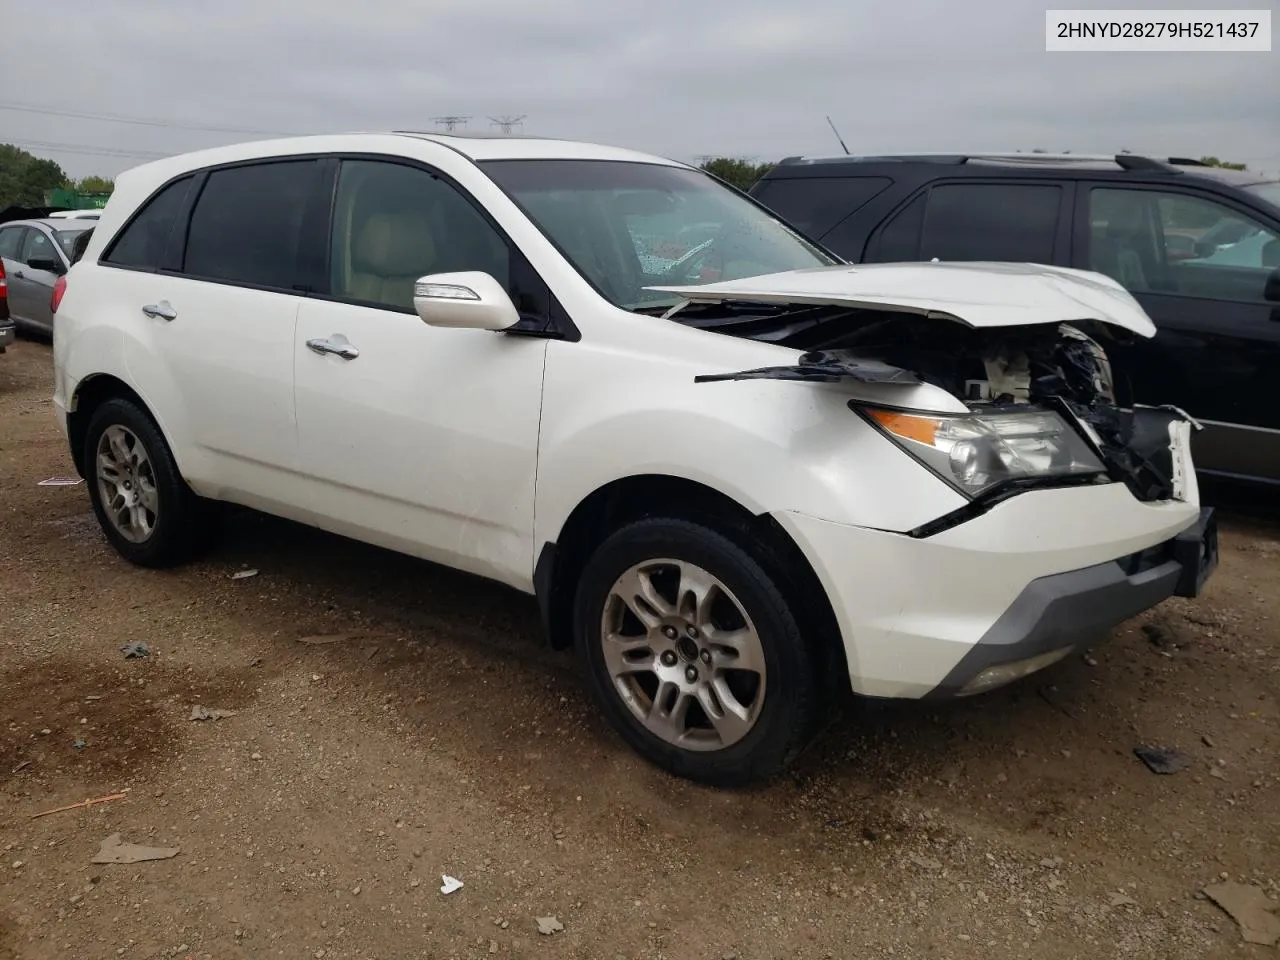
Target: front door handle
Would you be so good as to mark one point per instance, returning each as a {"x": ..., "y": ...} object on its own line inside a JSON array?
[
  {"x": 342, "y": 348},
  {"x": 160, "y": 310}
]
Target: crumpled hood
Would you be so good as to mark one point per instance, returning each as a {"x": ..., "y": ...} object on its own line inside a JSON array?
[{"x": 976, "y": 294}]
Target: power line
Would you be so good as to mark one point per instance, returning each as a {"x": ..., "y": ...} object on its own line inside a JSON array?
[
  {"x": 87, "y": 149},
  {"x": 137, "y": 121}
]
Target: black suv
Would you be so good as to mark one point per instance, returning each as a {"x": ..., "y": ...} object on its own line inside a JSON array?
[{"x": 1198, "y": 246}]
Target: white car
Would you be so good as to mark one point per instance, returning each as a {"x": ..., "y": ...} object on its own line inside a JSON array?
[{"x": 735, "y": 497}]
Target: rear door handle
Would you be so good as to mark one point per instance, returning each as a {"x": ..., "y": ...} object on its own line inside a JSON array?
[
  {"x": 339, "y": 348},
  {"x": 162, "y": 310},
  {"x": 18, "y": 274}
]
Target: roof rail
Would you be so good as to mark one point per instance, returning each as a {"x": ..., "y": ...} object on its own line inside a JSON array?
[
  {"x": 1043, "y": 157},
  {"x": 1125, "y": 161},
  {"x": 1129, "y": 161}
]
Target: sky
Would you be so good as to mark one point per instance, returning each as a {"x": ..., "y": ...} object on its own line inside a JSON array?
[{"x": 680, "y": 78}]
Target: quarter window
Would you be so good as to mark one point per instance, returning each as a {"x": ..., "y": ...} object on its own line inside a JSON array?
[
  {"x": 142, "y": 243},
  {"x": 394, "y": 223},
  {"x": 247, "y": 223}
]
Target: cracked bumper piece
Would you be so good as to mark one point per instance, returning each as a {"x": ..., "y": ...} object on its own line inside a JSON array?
[{"x": 1005, "y": 594}]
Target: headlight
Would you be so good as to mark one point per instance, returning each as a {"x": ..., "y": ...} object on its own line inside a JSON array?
[{"x": 978, "y": 451}]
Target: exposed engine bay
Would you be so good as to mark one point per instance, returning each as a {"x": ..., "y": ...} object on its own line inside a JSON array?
[{"x": 1056, "y": 366}]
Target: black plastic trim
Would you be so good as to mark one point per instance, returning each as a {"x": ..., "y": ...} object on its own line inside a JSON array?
[
  {"x": 543, "y": 580},
  {"x": 175, "y": 248}
]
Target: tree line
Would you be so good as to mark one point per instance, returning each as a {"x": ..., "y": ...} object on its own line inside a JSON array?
[{"x": 25, "y": 179}]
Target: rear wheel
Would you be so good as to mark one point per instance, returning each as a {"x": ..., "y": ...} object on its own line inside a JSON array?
[
  {"x": 694, "y": 654},
  {"x": 143, "y": 505}
]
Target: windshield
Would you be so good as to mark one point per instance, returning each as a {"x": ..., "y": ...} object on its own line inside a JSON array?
[
  {"x": 625, "y": 226},
  {"x": 1267, "y": 191},
  {"x": 67, "y": 235}
]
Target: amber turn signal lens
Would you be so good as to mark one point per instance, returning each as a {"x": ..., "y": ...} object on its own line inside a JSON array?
[{"x": 908, "y": 426}]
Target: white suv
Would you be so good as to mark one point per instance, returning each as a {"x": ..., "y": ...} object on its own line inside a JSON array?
[{"x": 731, "y": 468}]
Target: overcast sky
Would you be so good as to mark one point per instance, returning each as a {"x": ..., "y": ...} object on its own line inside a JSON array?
[{"x": 682, "y": 78}]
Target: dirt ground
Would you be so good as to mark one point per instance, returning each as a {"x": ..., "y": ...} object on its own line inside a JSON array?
[{"x": 439, "y": 736}]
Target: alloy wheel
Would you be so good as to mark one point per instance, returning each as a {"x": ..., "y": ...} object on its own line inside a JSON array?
[
  {"x": 683, "y": 655},
  {"x": 127, "y": 483}
]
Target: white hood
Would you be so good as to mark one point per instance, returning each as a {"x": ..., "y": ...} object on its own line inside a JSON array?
[{"x": 976, "y": 294}]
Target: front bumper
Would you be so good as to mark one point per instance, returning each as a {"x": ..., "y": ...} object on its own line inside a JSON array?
[
  {"x": 1033, "y": 578},
  {"x": 1057, "y": 614}
]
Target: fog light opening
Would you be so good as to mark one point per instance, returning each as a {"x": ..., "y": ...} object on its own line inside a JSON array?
[{"x": 1002, "y": 674}]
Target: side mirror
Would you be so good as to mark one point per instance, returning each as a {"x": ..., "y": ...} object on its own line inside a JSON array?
[
  {"x": 470, "y": 300},
  {"x": 48, "y": 265},
  {"x": 1271, "y": 291}
]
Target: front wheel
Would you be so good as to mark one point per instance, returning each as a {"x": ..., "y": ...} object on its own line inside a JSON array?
[{"x": 694, "y": 654}]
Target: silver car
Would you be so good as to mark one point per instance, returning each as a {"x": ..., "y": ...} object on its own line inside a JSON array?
[{"x": 35, "y": 254}]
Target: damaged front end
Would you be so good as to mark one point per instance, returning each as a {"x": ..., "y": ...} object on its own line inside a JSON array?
[{"x": 1044, "y": 407}]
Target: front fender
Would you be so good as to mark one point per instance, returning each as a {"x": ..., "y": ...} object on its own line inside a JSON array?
[{"x": 768, "y": 445}]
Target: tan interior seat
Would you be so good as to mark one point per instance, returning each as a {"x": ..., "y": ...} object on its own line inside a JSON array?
[{"x": 391, "y": 251}]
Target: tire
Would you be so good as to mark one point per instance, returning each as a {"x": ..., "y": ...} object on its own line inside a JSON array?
[
  {"x": 653, "y": 698},
  {"x": 178, "y": 518}
]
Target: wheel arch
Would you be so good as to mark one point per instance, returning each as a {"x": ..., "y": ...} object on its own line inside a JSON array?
[
  {"x": 606, "y": 509},
  {"x": 91, "y": 393}
]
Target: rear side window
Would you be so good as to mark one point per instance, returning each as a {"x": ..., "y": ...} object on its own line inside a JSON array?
[
  {"x": 142, "y": 243},
  {"x": 816, "y": 204},
  {"x": 11, "y": 241},
  {"x": 247, "y": 223},
  {"x": 989, "y": 221}
]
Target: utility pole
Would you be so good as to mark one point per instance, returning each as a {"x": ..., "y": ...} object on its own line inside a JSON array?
[
  {"x": 450, "y": 123},
  {"x": 507, "y": 123}
]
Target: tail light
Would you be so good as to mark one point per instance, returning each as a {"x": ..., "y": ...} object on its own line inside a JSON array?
[
  {"x": 59, "y": 288},
  {"x": 4, "y": 284}
]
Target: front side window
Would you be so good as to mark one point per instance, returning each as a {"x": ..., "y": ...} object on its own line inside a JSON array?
[
  {"x": 37, "y": 247},
  {"x": 898, "y": 240},
  {"x": 143, "y": 242},
  {"x": 394, "y": 223},
  {"x": 247, "y": 223},
  {"x": 1153, "y": 241},
  {"x": 67, "y": 236},
  {"x": 625, "y": 226}
]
